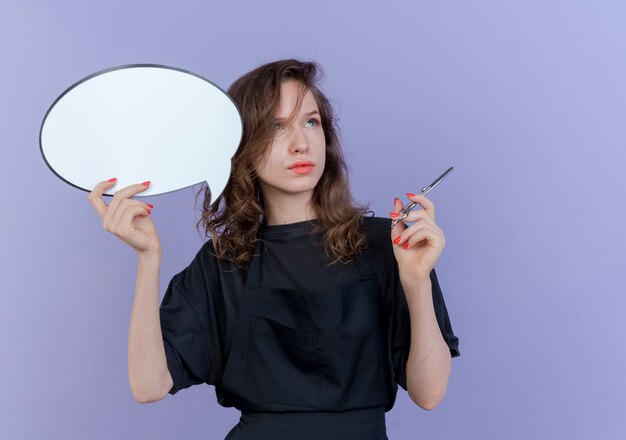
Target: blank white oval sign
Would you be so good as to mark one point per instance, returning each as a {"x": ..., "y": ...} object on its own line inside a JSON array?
[{"x": 139, "y": 123}]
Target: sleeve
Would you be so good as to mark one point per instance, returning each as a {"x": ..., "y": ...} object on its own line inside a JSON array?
[
  {"x": 441, "y": 312},
  {"x": 401, "y": 326},
  {"x": 188, "y": 324}
]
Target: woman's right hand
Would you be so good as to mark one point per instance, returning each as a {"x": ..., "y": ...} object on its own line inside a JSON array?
[{"x": 127, "y": 218}]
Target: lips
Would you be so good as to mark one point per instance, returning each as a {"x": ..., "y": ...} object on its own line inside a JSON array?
[
  {"x": 301, "y": 163},
  {"x": 302, "y": 167}
]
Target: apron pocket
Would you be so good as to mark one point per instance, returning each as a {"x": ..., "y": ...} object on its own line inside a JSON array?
[{"x": 282, "y": 365}]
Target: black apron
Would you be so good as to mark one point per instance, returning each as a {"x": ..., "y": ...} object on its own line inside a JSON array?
[{"x": 309, "y": 364}]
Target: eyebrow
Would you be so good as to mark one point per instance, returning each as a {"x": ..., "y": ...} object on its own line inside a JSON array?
[{"x": 311, "y": 113}]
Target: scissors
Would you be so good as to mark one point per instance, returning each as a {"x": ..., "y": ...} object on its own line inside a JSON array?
[{"x": 404, "y": 212}]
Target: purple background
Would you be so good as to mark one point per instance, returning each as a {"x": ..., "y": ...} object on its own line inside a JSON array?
[{"x": 527, "y": 101}]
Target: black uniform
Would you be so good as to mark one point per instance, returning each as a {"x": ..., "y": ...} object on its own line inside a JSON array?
[{"x": 303, "y": 349}]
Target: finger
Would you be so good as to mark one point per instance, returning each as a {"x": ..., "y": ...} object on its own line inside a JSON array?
[
  {"x": 122, "y": 219},
  {"x": 419, "y": 235},
  {"x": 415, "y": 227},
  {"x": 95, "y": 196},
  {"x": 419, "y": 215},
  {"x": 414, "y": 216},
  {"x": 397, "y": 230},
  {"x": 397, "y": 205},
  {"x": 425, "y": 203},
  {"x": 122, "y": 194},
  {"x": 125, "y": 229}
]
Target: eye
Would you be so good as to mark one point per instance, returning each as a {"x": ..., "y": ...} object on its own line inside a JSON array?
[
  {"x": 312, "y": 122},
  {"x": 278, "y": 126}
]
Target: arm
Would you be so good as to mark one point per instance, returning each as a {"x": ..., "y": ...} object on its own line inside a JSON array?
[
  {"x": 429, "y": 363},
  {"x": 417, "y": 248},
  {"x": 148, "y": 375},
  {"x": 130, "y": 220}
]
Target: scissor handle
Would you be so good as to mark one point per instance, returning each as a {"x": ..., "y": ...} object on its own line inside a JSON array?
[{"x": 404, "y": 212}]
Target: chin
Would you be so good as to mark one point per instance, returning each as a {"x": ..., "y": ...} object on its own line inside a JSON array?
[
  {"x": 293, "y": 186},
  {"x": 299, "y": 187}
]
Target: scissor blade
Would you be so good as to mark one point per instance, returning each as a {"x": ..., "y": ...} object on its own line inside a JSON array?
[{"x": 439, "y": 179}]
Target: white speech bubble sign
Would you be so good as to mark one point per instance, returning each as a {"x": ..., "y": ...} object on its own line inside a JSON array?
[{"x": 142, "y": 122}]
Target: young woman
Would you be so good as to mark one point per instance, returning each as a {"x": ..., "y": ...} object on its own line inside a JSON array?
[{"x": 304, "y": 313}]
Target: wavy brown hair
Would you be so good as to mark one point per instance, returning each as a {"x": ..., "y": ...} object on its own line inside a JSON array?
[{"x": 234, "y": 218}]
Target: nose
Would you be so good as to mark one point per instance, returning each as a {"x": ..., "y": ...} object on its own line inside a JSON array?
[{"x": 298, "y": 142}]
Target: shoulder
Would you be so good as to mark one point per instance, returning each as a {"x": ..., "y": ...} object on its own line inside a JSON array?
[
  {"x": 207, "y": 275},
  {"x": 379, "y": 246},
  {"x": 206, "y": 253},
  {"x": 205, "y": 261},
  {"x": 208, "y": 260},
  {"x": 378, "y": 231},
  {"x": 376, "y": 223}
]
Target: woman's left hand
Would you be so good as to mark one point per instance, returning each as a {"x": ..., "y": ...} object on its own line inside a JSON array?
[{"x": 418, "y": 246}]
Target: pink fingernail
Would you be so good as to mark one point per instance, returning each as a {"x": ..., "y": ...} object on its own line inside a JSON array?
[
  {"x": 393, "y": 214},
  {"x": 151, "y": 206},
  {"x": 406, "y": 245},
  {"x": 146, "y": 183},
  {"x": 113, "y": 179},
  {"x": 410, "y": 195},
  {"x": 396, "y": 240}
]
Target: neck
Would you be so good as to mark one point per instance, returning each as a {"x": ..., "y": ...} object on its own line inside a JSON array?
[{"x": 281, "y": 209}]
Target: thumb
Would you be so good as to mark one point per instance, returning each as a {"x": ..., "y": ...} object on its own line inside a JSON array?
[{"x": 397, "y": 230}]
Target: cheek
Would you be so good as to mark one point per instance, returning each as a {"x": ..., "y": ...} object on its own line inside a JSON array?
[
  {"x": 266, "y": 162},
  {"x": 264, "y": 170},
  {"x": 321, "y": 161},
  {"x": 323, "y": 150},
  {"x": 318, "y": 140}
]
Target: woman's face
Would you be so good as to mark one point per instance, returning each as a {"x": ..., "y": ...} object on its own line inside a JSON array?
[{"x": 295, "y": 161}]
